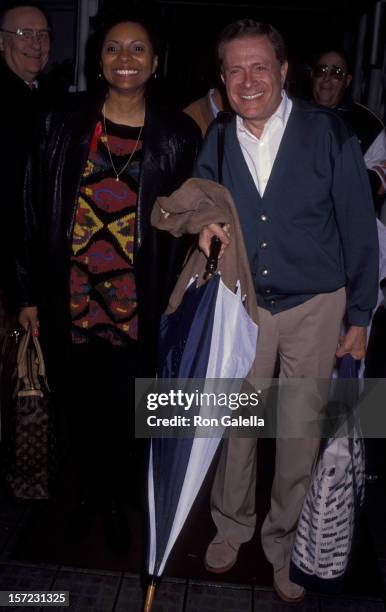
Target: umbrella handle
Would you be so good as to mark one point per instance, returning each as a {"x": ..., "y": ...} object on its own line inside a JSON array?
[
  {"x": 149, "y": 597},
  {"x": 212, "y": 261}
]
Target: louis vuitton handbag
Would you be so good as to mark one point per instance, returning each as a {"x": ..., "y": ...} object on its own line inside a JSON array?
[{"x": 28, "y": 428}]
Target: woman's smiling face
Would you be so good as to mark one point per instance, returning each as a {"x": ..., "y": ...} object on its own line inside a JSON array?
[{"x": 128, "y": 59}]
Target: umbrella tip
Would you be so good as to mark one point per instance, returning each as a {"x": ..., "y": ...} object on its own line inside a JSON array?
[{"x": 149, "y": 597}]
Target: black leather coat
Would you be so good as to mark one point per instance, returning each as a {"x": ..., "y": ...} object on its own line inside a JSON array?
[{"x": 171, "y": 142}]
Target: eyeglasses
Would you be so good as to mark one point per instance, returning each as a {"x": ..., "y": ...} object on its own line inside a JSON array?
[
  {"x": 42, "y": 36},
  {"x": 335, "y": 72}
]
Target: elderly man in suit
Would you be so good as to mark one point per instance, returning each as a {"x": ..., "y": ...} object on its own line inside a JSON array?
[
  {"x": 299, "y": 183},
  {"x": 25, "y": 39}
]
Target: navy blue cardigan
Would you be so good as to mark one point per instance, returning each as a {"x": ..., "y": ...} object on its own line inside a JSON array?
[{"x": 314, "y": 229}]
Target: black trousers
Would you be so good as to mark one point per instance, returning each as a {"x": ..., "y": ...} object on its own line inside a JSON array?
[{"x": 101, "y": 416}]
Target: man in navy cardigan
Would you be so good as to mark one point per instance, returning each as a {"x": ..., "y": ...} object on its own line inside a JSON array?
[{"x": 297, "y": 177}]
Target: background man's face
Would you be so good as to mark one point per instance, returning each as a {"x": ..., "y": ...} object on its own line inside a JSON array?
[
  {"x": 27, "y": 58},
  {"x": 253, "y": 78},
  {"x": 328, "y": 89}
]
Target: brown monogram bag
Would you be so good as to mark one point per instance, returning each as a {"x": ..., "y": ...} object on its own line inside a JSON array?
[{"x": 28, "y": 429}]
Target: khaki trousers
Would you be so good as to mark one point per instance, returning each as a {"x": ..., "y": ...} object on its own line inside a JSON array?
[{"x": 305, "y": 338}]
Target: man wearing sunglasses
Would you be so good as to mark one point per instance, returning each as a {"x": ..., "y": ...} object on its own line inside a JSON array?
[
  {"x": 24, "y": 48},
  {"x": 330, "y": 80}
]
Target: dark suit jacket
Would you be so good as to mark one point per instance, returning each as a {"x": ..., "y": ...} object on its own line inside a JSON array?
[{"x": 17, "y": 109}]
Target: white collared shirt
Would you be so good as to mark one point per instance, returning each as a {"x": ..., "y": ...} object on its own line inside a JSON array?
[
  {"x": 32, "y": 84},
  {"x": 260, "y": 153}
]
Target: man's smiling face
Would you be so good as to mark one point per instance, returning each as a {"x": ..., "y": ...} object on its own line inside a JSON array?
[
  {"x": 25, "y": 57},
  {"x": 328, "y": 88},
  {"x": 253, "y": 78}
]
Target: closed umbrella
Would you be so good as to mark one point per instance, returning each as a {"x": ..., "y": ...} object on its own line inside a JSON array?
[{"x": 210, "y": 335}]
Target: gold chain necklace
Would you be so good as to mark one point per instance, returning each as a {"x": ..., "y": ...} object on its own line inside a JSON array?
[{"x": 118, "y": 174}]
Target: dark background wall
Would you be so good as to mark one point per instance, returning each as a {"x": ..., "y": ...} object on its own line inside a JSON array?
[
  {"x": 306, "y": 26},
  {"x": 191, "y": 27}
]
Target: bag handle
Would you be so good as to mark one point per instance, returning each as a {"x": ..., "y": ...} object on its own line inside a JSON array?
[
  {"x": 223, "y": 117},
  {"x": 21, "y": 354},
  {"x": 39, "y": 354},
  {"x": 22, "y": 367}
]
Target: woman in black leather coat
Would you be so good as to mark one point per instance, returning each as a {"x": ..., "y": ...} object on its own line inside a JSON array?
[{"x": 96, "y": 276}]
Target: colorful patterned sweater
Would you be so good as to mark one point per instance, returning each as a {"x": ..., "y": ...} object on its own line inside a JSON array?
[{"x": 102, "y": 284}]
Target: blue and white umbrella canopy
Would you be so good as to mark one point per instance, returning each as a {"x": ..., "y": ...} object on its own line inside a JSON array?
[{"x": 209, "y": 336}]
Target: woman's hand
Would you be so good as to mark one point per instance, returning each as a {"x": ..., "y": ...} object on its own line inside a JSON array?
[
  {"x": 28, "y": 318},
  {"x": 207, "y": 234}
]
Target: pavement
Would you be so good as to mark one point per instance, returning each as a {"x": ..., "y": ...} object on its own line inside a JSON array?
[{"x": 96, "y": 590}]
